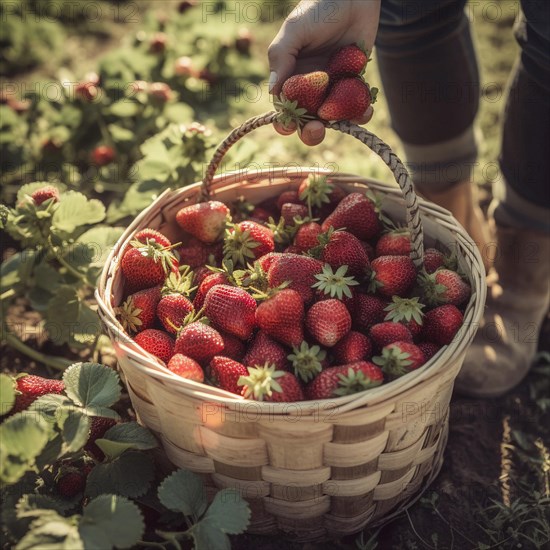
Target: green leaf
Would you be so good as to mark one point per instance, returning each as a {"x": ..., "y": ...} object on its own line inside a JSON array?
[
  {"x": 128, "y": 475},
  {"x": 7, "y": 393},
  {"x": 22, "y": 438},
  {"x": 125, "y": 436},
  {"x": 75, "y": 210},
  {"x": 124, "y": 108},
  {"x": 121, "y": 135},
  {"x": 50, "y": 531},
  {"x": 111, "y": 521},
  {"x": 184, "y": 492},
  {"x": 229, "y": 512},
  {"x": 92, "y": 384},
  {"x": 99, "y": 241},
  {"x": 207, "y": 536},
  {"x": 75, "y": 429}
]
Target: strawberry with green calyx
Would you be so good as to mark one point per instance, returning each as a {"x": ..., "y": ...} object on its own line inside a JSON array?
[
  {"x": 399, "y": 358},
  {"x": 354, "y": 346},
  {"x": 265, "y": 262},
  {"x": 407, "y": 311},
  {"x": 307, "y": 236},
  {"x": 344, "y": 380},
  {"x": 315, "y": 191},
  {"x": 335, "y": 284},
  {"x": 265, "y": 349},
  {"x": 253, "y": 277},
  {"x": 367, "y": 310},
  {"x": 46, "y": 193},
  {"x": 295, "y": 214},
  {"x": 205, "y": 221},
  {"x": 307, "y": 91},
  {"x": 153, "y": 235},
  {"x": 388, "y": 332},
  {"x": 290, "y": 114},
  {"x": 197, "y": 339},
  {"x": 103, "y": 155},
  {"x": 265, "y": 383},
  {"x": 307, "y": 360},
  {"x": 443, "y": 287},
  {"x": 348, "y": 60},
  {"x": 433, "y": 260},
  {"x": 225, "y": 373},
  {"x": 284, "y": 231},
  {"x": 156, "y": 342},
  {"x": 392, "y": 275},
  {"x": 98, "y": 428},
  {"x": 186, "y": 367},
  {"x": 138, "y": 311},
  {"x": 328, "y": 321},
  {"x": 247, "y": 241},
  {"x": 70, "y": 482},
  {"x": 29, "y": 387},
  {"x": 396, "y": 242},
  {"x": 232, "y": 310},
  {"x": 442, "y": 323},
  {"x": 348, "y": 99},
  {"x": 196, "y": 253},
  {"x": 288, "y": 196},
  {"x": 174, "y": 304}
]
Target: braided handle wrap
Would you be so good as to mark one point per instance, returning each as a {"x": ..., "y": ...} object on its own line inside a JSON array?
[{"x": 374, "y": 143}]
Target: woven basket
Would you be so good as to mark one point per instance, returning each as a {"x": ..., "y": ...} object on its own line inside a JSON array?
[{"x": 313, "y": 469}]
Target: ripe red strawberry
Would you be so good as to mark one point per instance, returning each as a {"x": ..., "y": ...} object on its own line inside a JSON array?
[
  {"x": 308, "y": 361},
  {"x": 200, "y": 274},
  {"x": 399, "y": 358},
  {"x": 348, "y": 60},
  {"x": 298, "y": 270},
  {"x": 225, "y": 373},
  {"x": 290, "y": 211},
  {"x": 232, "y": 346},
  {"x": 45, "y": 193},
  {"x": 153, "y": 235},
  {"x": 147, "y": 265},
  {"x": 209, "y": 282},
  {"x": 354, "y": 346},
  {"x": 199, "y": 341},
  {"x": 357, "y": 215},
  {"x": 232, "y": 310},
  {"x": 348, "y": 99},
  {"x": 344, "y": 380},
  {"x": 394, "y": 243},
  {"x": 343, "y": 248},
  {"x": 265, "y": 262},
  {"x": 260, "y": 215},
  {"x": 186, "y": 367},
  {"x": 30, "y": 387},
  {"x": 308, "y": 90},
  {"x": 86, "y": 91},
  {"x": 367, "y": 310},
  {"x": 246, "y": 241},
  {"x": 172, "y": 310},
  {"x": 442, "y": 323},
  {"x": 265, "y": 383},
  {"x": 306, "y": 236},
  {"x": 160, "y": 92},
  {"x": 433, "y": 260},
  {"x": 407, "y": 311},
  {"x": 317, "y": 193},
  {"x": 328, "y": 321},
  {"x": 282, "y": 317},
  {"x": 288, "y": 196},
  {"x": 265, "y": 350},
  {"x": 103, "y": 155},
  {"x": 158, "y": 42},
  {"x": 444, "y": 287},
  {"x": 205, "y": 221},
  {"x": 98, "y": 428},
  {"x": 156, "y": 342},
  {"x": 392, "y": 275},
  {"x": 71, "y": 484},
  {"x": 387, "y": 333},
  {"x": 243, "y": 41},
  {"x": 138, "y": 312},
  {"x": 429, "y": 349},
  {"x": 196, "y": 253}
]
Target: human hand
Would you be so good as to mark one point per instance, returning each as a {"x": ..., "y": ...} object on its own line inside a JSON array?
[{"x": 309, "y": 36}]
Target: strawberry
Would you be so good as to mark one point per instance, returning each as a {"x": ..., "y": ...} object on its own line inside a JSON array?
[
  {"x": 407, "y": 311},
  {"x": 147, "y": 265},
  {"x": 103, "y": 155},
  {"x": 186, "y": 367},
  {"x": 343, "y": 248},
  {"x": 307, "y": 90},
  {"x": 433, "y": 260},
  {"x": 265, "y": 262},
  {"x": 357, "y": 215},
  {"x": 232, "y": 346},
  {"x": 183, "y": 66},
  {"x": 160, "y": 92},
  {"x": 354, "y": 346},
  {"x": 225, "y": 373},
  {"x": 348, "y": 60},
  {"x": 316, "y": 192},
  {"x": 186, "y": 5},
  {"x": 196, "y": 253},
  {"x": 328, "y": 321},
  {"x": 172, "y": 310},
  {"x": 298, "y": 270},
  {"x": 394, "y": 243},
  {"x": 307, "y": 361},
  {"x": 292, "y": 249},
  {"x": 137, "y": 313},
  {"x": 247, "y": 241},
  {"x": 429, "y": 349},
  {"x": 199, "y": 341},
  {"x": 367, "y": 310},
  {"x": 156, "y": 342},
  {"x": 71, "y": 484},
  {"x": 48, "y": 192},
  {"x": 344, "y": 380},
  {"x": 267, "y": 384},
  {"x": 282, "y": 317},
  {"x": 392, "y": 275},
  {"x": 442, "y": 323},
  {"x": 86, "y": 91},
  {"x": 265, "y": 350},
  {"x": 157, "y": 44},
  {"x": 29, "y": 388},
  {"x": 290, "y": 212},
  {"x": 243, "y": 41},
  {"x": 200, "y": 274},
  {"x": 231, "y": 309},
  {"x": 444, "y": 287},
  {"x": 288, "y": 196},
  {"x": 368, "y": 249},
  {"x": 152, "y": 234},
  {"x": 306, "y": 236},
  {"x": 388, "y": 332},
  {"x": 98, "y": 428},
  {"x": 260, "y": 215},
  {"x": 335, "y": 284},
  {"x": 348, "y": 99},
  {"x": 205, "y": 221},
  {"x": 399, "y": 358}
]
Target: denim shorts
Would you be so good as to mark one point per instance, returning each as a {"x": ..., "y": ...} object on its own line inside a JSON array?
[{"x": 431, "y": 81}]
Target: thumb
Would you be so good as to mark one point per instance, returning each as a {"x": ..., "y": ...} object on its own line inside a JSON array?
[{"x": 281, "y": 65}]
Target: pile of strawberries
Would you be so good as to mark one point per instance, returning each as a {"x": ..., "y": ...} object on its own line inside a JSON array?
[
  {"x": 339, "y": 93},
  {"x": 308, "y": 295}
]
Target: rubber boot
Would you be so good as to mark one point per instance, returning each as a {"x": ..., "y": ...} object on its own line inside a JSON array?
[
  {"x": 518, "y": 299},
  {"x": 460, "y": 200}
]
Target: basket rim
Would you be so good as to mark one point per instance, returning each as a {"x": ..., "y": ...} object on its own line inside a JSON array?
[{"x": 151, "y": 366}]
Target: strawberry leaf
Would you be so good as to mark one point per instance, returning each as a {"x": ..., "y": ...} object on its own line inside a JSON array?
[
  {"x": 183, "y": 492},
  {"x": 75, "y": 429},
  {"x": 229, "y": 512},
  {"x": 7, "y": 393},
  {"x": 50, "y": 530},
  {"x": 125, "y": 436},
  {"x": 75, "y": 210}
]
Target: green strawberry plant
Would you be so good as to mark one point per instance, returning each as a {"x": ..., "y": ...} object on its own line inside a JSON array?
[{"x": 123, "y": 489}]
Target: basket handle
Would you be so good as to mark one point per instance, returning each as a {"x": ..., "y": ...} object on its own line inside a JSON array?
[{"x": 370, "y": 140}]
